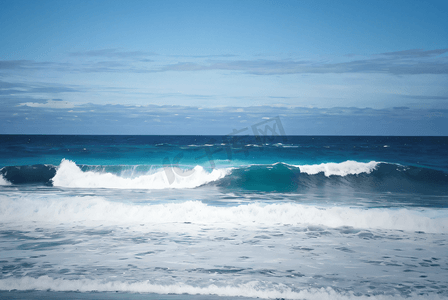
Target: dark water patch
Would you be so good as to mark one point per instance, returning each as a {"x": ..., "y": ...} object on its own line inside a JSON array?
[
  {"x": 140, "y": 240},
  {"x": 264, "y": 237},
  {"x": 345, "y": 249},
  {"x": 347, "y": 230},
  {"x": 221, "y": 238},
  {"x": 63, "y": 271},
  {"x": 373, "y": 262},
  {"x": 391, "y": 264},
  {"x": 293, "y": 273},
  {"x": 46, "y": 245},
  {"x": 267, "y": 272},
  {"x": 26, "y": 235},
  {"x": 150, "y": 252},
  {"x": 93, "y": 232},
  {"x": 16, "y": 234},
  {"x": 251, "y": 242},
  {"x": 302, "y": 248},
  {"x": 29, "y": 174},
  {"x": 367, "y": 236}
]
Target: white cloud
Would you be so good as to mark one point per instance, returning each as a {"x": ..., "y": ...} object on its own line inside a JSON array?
[{"x": 49, "y": 104}]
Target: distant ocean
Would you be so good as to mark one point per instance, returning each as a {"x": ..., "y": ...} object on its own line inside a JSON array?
[{"x": 223, "y": 217}]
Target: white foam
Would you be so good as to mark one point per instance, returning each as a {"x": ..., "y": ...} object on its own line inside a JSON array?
[
  {"x": 254, "y": 289},
  {"x": 100, "y": 211},
  {"x": 3, "y": 181},
  {"x": 70, "y": 175},
  {"x": 341, "y": 169}
]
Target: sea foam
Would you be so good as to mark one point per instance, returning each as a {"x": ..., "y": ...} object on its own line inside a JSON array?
[
  {"x": 69, "y": 174},
  {"x": 97, "y": 210},
  {"x": 341, "y": 169},
  {"x": 3, "y": 181},
  {"x": 253, "y": 289}
]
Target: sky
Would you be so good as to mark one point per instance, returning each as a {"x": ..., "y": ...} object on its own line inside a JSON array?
[{"x": 212, "y": 67}]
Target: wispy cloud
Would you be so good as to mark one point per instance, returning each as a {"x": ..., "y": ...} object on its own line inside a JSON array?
[
  {"x": 407, "y": 62},
  {"x": 12, "y": 89},
  {"x": 17, "y": 64},
  {"x": 12, "y": 64},
  {"x": 8, "y": 65},
  {"x": 10, "y": 85},
  {"x": 426, "y": 97},
  {"x": 416, "y": 53},
  {"x": 109, "y": 66},
  {"x": 57, "y": 116},
  {"x": 49, "y": 104}
]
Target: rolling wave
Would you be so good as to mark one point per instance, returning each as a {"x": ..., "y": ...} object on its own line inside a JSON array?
[
  {"x": 278, "y": 177},
  {"x": 94, "y": 210},
  {"x": 372, "y": 176},
  {"x": 70, "y": 175}
]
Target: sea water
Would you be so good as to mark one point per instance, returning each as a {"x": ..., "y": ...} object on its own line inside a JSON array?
[{"x": 195, "y": 217}]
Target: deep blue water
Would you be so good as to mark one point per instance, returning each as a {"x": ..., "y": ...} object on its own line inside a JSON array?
[
  {"x": 430, "y": 152},
  {"x": 269, "y": 216}
]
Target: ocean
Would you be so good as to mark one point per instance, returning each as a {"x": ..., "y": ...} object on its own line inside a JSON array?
[{"x": 240, "y": 216}]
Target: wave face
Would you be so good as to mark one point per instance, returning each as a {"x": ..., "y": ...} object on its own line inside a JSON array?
[
  {"x": 28, "y": 174},
  {"x": 279, "y": 177},
  {"x": 273, "y": 178},
  {"x": 369, "y": 177}
]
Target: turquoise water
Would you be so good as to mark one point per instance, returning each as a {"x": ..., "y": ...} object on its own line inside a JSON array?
[{"x": 270, "y": 217}]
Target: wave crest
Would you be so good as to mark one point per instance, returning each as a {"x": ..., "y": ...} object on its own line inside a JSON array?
[
  {"x": 345, "y": 168},
  {"x": 69, "y": 174},
  {"x": 279, "y": 177}
]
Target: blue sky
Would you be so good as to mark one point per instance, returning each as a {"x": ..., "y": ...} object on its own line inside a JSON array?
[{"x": 208, "y": 67}]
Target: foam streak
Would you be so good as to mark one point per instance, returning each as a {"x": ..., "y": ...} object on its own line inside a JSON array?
[{"x": 253, "y": 289}]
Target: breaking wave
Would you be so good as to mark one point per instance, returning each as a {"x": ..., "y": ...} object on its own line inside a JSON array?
[
  {"x": 70, "y": 175},
  {"x": 278, "y": 177},
  {"x": 3, "y": 181},
  {"x": 253, "y": 289},
  {"x": 340, "y": 169},
  {"x": 100, "y": 211}
]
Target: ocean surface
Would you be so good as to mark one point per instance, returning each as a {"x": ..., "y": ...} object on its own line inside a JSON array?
[{"x": 223, "y": 217}]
